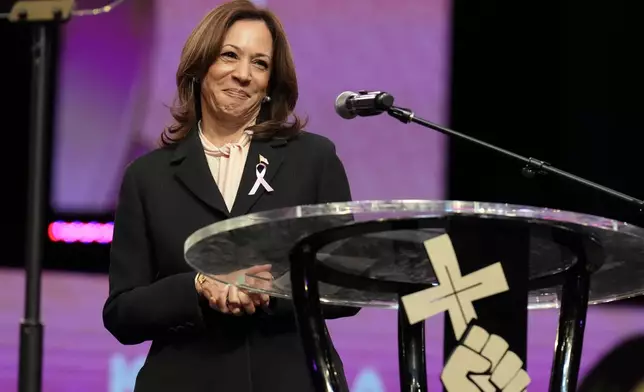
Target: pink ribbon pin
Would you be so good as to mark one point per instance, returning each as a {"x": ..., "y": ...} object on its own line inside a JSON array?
[{"x": 263, "y": 165}]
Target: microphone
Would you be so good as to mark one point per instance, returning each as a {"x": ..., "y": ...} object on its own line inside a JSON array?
[{"x": 348, "y": 105}]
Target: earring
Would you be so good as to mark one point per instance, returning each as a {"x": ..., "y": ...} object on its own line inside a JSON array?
[{"x": 266, "y": 99}]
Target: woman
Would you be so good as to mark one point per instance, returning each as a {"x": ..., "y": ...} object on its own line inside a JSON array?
[{"x": 236, "y": 91}]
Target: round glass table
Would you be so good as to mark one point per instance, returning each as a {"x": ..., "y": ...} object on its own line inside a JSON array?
[{"x": 382, "y": 242}]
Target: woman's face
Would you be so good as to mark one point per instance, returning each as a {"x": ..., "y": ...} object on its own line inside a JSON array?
[{"x": 238, "y": 80}]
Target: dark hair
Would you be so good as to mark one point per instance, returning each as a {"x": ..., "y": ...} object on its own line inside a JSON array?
[{"x": 203, "y": 47}]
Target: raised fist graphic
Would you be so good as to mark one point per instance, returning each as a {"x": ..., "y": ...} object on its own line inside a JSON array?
[{"x": 482, "y": 362}]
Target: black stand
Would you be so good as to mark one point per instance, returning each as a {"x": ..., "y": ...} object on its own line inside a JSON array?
[
  {"x": 411, "y": 353},
  {"x": 572, "y": 312},
  {"x": 45, "y": 17},
  {"x": 316, "y": 340},
  {"x": 532, "y": 166}
]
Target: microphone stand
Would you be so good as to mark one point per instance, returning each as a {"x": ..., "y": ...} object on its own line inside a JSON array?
[
  {"x": 45, "y": 18},
  {"x": 532, "y": 166}
]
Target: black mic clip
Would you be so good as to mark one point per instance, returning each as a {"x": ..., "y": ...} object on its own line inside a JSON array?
[
  {"x": 363, "y": 103},
  {"x": 372, "y": 103}
]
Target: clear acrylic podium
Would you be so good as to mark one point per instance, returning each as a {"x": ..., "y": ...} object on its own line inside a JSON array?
[{"x": 370, "y": 253}]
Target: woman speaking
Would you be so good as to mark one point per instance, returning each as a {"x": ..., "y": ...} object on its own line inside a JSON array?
[{"x": 237, "y": 91}]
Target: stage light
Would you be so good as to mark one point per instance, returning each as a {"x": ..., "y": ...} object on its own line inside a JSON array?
[{"x": 83, "y": 232}]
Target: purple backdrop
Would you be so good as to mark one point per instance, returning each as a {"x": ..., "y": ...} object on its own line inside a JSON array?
[
  {"x": 117, "y": 77},
  {"x": 81, "y": 356}
]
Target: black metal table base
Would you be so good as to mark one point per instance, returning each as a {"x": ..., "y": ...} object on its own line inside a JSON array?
[
  {"x": 570, "y": 333},
  {"x": 411, "y": 354},
  {"x": 316, "y": 341}
]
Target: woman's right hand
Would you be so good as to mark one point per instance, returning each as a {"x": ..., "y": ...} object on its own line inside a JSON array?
[{"x": 224, "y": 296}]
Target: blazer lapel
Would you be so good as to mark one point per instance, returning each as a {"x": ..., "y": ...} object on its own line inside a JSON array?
[
  {"x": 193, "y": 172},
  {"x": 273, "y": 152}
]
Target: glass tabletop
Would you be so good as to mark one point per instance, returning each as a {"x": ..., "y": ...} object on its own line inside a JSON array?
[{"x": 224, "y": 250}]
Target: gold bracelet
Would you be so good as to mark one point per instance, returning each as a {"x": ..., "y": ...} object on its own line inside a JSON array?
[{"x": 201, "y": 278}]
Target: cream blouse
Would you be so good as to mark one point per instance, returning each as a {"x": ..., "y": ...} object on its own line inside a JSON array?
[{"x": 226, "y": 164}]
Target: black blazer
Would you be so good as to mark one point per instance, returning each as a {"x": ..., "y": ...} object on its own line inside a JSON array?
[{"x": 165, "y": 196}]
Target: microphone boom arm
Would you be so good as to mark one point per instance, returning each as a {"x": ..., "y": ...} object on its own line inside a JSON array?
[{"x": 532, "y": 166}]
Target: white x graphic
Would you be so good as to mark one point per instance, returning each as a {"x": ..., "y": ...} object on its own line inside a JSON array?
[{"x": 454, "y": 293}]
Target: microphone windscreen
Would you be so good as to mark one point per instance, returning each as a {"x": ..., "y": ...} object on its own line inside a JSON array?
[{"x": 341, "y": 106}]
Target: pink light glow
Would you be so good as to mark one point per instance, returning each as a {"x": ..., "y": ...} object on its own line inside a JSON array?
[{"x": 84, "y": 232}]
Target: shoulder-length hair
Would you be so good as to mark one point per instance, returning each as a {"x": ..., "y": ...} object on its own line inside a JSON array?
[{"x": 202, "y": 49}]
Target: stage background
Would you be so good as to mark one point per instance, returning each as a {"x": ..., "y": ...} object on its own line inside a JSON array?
[{"x": 117, "y": 76}]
